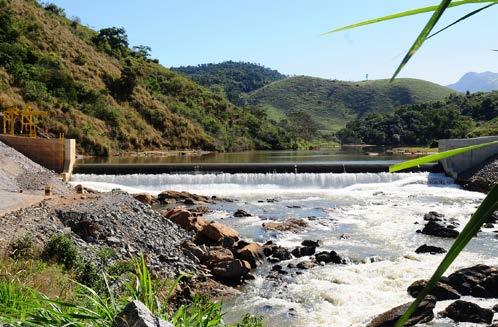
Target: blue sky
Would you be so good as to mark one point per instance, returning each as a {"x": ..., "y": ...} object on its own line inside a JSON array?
[{"x": 285, "y": 35}]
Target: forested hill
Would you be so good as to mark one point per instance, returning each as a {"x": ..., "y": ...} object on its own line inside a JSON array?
[
  {"x": 232, "y": 78},
  {"x": 333, "y": 103},
  {"x": 458, "y": 116},
  {"x": 112, "y": 97}
]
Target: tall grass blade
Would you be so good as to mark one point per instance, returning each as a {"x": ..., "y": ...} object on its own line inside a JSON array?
[
  {"x": 423, "y": 35},
  {"x": 406, "y": 13},
  {"x": 485, "y": 210},
  {"x": 461, "y": 19},
  {"x": 436, "y": 157}
]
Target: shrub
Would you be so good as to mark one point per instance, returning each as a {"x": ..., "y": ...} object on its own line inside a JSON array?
[
  {"x": 35, "y": 91},
  {"x": 61, "y": 249},
  {"x": 53, "y": 8},
  {"x": 23, "y": 248}
]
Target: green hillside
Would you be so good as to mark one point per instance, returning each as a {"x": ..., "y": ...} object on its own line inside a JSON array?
[
  {"x": 232, "y": 78},
  {"x": 332, "y": 103},
  {"x": 111, "y": 97},
  {"x": 457, "y": 116}
]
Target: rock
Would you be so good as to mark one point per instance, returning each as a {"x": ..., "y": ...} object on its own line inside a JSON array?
[
  {"x": 433, "y": 216},
  {"x": 302, "y": 251},
  {"x": 186, "y": 220},
  {"x": 252, "y": 253},
  {"x": 429, "y": 249},
  {"x": 289, "y": 225},
  {"x": 216, "y": 231},
  {"x": 180, "y": 196},
  {"x": 329, "y": 257},
  {"x": 315, "y": 244},
  {"x": 463, "y": 311},
  {"x": 231, "y": 270},
  {"x": 441, "y": 291},
  {"x": 241, "y": 213},
  {"x": 489, "y": 225},
  {"x": 200, "y": 252},
  {"x": 81, "y": 223},
  {"x": 281, "y": 253},
  {"x": 495, "y": 308},
  {"x": 218, "y": 254},
  {"x": 435, "y": 229},
  {"x": 136, "y": 314},
  {"x": 477, "y": 281},
  {"x": 189, "y": 201},
  {"x": 145, "y": 198},
  {"x": 307, "y": 264},
  {"x": 276, "y": 268},
  {"x": 423, "y": 314}
]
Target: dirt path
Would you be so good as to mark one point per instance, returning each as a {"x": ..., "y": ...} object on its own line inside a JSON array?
[{"x": 12, "y": 201}]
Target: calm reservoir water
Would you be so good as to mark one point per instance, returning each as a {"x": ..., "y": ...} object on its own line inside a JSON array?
[{"x": 381, "y": 213}]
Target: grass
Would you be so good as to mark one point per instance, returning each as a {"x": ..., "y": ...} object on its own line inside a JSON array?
[{"x": 34, "y": 292}]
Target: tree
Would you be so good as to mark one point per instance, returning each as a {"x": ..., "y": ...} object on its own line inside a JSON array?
[
  {"x": 142, "y": 51},
  {"x": 113, "y": 40}
]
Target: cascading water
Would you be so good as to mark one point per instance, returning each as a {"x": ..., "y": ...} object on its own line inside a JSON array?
[{"x": 380, "y": 212}]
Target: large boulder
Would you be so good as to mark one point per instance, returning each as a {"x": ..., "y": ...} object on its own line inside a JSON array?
[
  {"x": 436, "y": 229},
  {"x": 329, "y": 257},
  {"x": 479, "y": 281},
  {"x": 216, "y": 231},
  {"x": 303, "y": 251},
  {"x": 433, "y": 216},
  {"x": 145, "y": 198},
  {"x": 136, "y": 314},
  {"x": 423, "y": 314},
  {"x": 175, "y": 196},
  {"x": 218, "y": 254},
  {"x": 252, "y": 253},
  {"x": 231, "y": 270},
  {"x": 306, "y": 264},
  {"x": 289, "y": 225},
  {"x": 186, "y": 220},
  {"x": 441, "y": 291},
  {"x": 463, "y": 311}
]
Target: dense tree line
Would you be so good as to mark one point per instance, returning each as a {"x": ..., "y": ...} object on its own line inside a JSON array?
[
  {"x": 234, "y": 79},
  {"x": 458, "y": 116}
]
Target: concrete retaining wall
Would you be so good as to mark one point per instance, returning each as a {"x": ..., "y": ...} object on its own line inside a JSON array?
[
  {"x": 58, "y": 155},
  {"x": 456, "y": 165}
]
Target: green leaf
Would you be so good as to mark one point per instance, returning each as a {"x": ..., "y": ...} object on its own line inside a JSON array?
[
  {"x": 436, "y": 157},
  {"x": 407, "y": 13},
  {"x": 472, "y": 13},
  {"x": 485, "y": 210},
  {"x": 423, "y": 35}
]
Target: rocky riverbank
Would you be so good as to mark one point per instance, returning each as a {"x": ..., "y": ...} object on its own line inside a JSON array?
[{"x": 482, "y": 178}]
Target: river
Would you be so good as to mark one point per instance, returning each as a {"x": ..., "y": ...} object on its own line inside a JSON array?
[{"x": 380, "y": 213}]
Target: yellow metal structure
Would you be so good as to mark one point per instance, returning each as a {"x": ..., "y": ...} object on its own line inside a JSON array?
[
  {"x": 28, "y": 117},
  {"x": 9, "y": 120}
]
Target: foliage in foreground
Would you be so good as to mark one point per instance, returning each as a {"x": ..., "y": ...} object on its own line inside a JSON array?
[{"x": 25, "y": 283}]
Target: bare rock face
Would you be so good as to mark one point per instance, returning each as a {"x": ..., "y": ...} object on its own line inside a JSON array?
[
  {"x": 463, "y": 311},
  {"x": 145, "y": 198},
  {"x": 216, "y": 231},
  {"x": 289, "y": 225},
  {"x": 186, "y": 220},
  {"x": 423, "y": 314},
  {"x": 231, "y": 270},
  {"x": 441, "y": 291},
  {"x": 252, "y": 253},
  {"x": 136, "y": 314}
]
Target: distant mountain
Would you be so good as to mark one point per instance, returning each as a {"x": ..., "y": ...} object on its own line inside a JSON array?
[
  {"x": 333, "y": 103},
  {"x": 476, "y": 82},
  {"x": 234, "y": 78}
]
